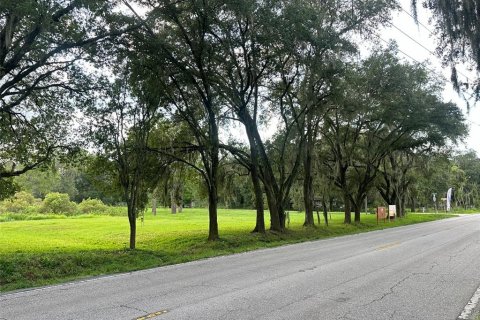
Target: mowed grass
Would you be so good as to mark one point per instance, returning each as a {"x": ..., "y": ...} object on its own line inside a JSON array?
[{"x": 40, "y": 252}]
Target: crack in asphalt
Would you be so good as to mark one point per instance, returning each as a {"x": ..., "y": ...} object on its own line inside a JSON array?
[
  {"x": 393, "y": 314},
  {"x": 133, "y": 308},
  {"x": 451, "y": 257},
  {"x": 391, "y": 290},
  {"x": 345, "y": 316}
]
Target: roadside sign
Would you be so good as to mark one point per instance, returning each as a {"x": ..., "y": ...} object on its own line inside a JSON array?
[
  {"x": 392, "y": 211},
  {"x": 381, "y": 213}
]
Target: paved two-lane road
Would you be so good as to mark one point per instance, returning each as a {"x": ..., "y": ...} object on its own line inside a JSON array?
[{"x": 424, "y": 271}]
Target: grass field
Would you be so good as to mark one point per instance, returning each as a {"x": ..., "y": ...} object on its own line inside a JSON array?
[{"x": 41, "y": 252}]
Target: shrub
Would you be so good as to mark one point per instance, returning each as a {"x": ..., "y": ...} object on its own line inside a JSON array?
[
  {"x": 92, "y": 206},
  {"x": 58, "y": 203},
  {"x": 21, "y": 202}
]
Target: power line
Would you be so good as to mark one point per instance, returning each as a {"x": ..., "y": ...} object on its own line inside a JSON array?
[
  {"x": 416, "y": 20},
  {"x": 409, "y": 56},
  {"x": 411, "y": 38},
  {"x": 420, "y": 44},
  {"x": 433, "y": 71}
]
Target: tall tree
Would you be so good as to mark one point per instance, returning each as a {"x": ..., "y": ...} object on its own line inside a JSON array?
[
  {"x": 121, "y": 127},
  {"x": 177, "y": 56}
]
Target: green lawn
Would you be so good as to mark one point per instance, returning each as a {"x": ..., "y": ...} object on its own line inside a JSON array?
[{"x": 40, "y": 252}]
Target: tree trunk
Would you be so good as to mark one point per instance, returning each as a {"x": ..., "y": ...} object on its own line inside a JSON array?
[
  {"x": 154, "y": 206},
  {"x": 165, "y": 195},
  {"x": 325, "y": 212},
  {"x": 358, "y": 211},
  {"x": 133, "y": 233},
  {"x": 402, "y": 206},
  {"x": 275, "y": 224},
  {"x": 173, "y": 198},
  {"x": 399, "y": 206},
  {"x": 257, "y": 187},
  {"x": 277, "y": 218},
  {"x": 212, "y": 176},
  {"x": 281, "y": 214},
  {"x": 132, "y": 219},
  {"x": 308, "y": 196},
  {"x": 348, "y": 210},
  {"x": 212, "y": 214},
  {"x": 268, "y": 178}
]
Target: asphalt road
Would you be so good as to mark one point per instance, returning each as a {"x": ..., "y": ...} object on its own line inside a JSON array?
[{"x": 424, "y": 271}]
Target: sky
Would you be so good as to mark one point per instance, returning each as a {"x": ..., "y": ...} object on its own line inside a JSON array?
[{"x": 402, "y": 29}]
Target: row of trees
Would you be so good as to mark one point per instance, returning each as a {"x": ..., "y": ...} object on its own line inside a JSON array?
[
  {"x": 181, "y": 186},
  {"x": 160, "y": 84}
]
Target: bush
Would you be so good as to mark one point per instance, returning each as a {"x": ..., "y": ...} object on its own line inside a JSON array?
[
  {"x": 21, "y": 202},
  {"x": 58, "y": 203},
  {"x": 92, "y": 206}
]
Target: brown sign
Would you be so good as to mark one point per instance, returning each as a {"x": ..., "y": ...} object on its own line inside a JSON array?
[{"x": 381, "y": 213}]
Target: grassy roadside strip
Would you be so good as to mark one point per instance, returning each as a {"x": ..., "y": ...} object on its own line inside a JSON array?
[{"x": 43, "y": 252}]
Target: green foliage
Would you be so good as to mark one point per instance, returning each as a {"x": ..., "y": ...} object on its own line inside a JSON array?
[
  {"x": 235, "y": 187},
  {"x": 21, "y": 202},
  {"x": 24, "y": 206},
  {"x": 92, "y": 206},
  {"x": 39, "y": 182},
  {"x": 58, "y": 203},
  {"x": 8, "y": 187},
  {"x": 43, "y": 45},
  {"x": 80, "y": 181}
]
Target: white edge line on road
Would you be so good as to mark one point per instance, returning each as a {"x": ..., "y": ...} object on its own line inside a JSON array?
[{"x": 471, "y": 305}]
